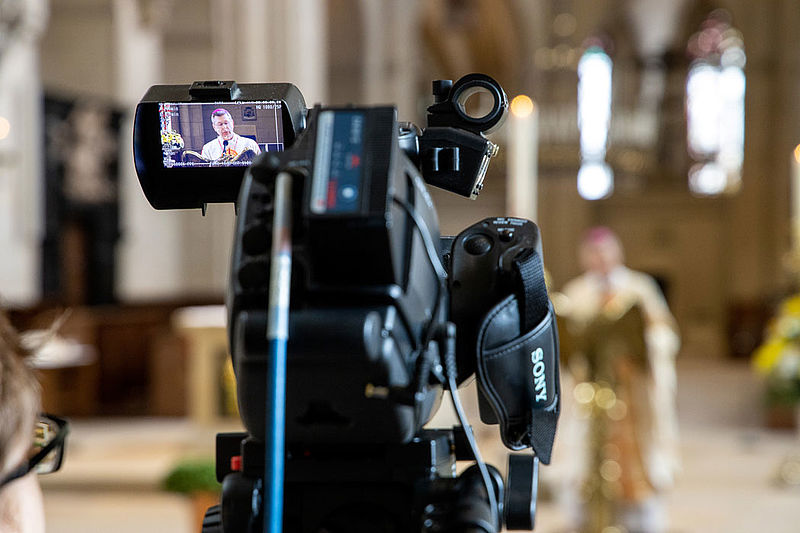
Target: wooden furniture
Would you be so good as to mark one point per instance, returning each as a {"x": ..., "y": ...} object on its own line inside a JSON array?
[
  {"x": 140, "y": 367},
  {"x": 204, "y": 331}
]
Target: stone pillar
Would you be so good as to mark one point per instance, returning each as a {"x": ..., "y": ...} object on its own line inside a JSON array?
[
  {"x": 255, "y": 15},
  {"x": 260, "y": 41},
  {"x": 374, "y": 58},
  {"x": 407, "y": 50},
  {"x": 226, "y": 45},
  {"x": 304, "y": 47},
  {"x": 284, "y": 41},
  {"x": 391, "y": 51},
  {"x": 150, "y": 265},
  {"x": 21, "y": 139}
]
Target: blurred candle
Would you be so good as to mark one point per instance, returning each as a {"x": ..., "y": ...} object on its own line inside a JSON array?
[{"x": 523, "y": 149}]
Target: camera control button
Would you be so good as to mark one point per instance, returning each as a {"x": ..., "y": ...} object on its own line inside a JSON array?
[
  {"x": 478, "y": 245},
  {"x": 506, "y": 234}
]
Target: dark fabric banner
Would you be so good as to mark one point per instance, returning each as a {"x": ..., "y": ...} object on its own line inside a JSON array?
[{"x": 81, "y": 164}]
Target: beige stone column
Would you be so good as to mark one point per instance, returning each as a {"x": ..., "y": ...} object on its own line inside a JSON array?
[
  {"x": 391, "y": 50},
  {"x": 149, "y": 252},
  {"x": 255, "y": 16},
  {"x": 297, "y": 45},
  {"x": 21, "y": 153}
]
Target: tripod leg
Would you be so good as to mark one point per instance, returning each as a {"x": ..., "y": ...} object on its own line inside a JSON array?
[{"x": 523, "y": 481}]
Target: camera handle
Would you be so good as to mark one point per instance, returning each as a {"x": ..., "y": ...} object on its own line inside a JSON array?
[{"x": 277, "y": 337}]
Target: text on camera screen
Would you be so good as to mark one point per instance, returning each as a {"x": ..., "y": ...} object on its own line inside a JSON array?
[{"x": 227, "y": 134}]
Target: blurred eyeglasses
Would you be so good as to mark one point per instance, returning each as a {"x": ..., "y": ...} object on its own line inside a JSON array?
[{"x": 47, "y": 452}]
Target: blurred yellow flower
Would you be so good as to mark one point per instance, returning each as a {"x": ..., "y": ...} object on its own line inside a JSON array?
[
  {"x": 791, "y": 306},
  {"x": 778, "y": 357},
  {"x": 767, "y": 356}
]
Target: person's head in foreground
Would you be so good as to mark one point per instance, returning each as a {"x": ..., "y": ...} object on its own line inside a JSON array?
[{"x": 21, "y": 507}]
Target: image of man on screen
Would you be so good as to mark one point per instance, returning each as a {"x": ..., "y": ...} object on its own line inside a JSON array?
[{"x": 228, "y": 146}]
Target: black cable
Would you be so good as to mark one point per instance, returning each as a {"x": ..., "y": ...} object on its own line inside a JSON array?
[
  {"x": 433, "y": 258},
  {"x": 452, "y": 373},
  {"x": 422, "y": 229},
  {"x": 450, "y": 352},
  {"x": 423, "y": 364}
]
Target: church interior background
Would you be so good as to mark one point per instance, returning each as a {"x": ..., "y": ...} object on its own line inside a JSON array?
[{"x": 712, "y": 217}]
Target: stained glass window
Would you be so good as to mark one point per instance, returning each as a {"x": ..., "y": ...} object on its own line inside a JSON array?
[
  {"x": 715, "y": 90},
  {"x": 595, "y": 177}
]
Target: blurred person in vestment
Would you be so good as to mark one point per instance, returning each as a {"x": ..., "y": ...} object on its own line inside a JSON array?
[{"x": 619, "y": 434}]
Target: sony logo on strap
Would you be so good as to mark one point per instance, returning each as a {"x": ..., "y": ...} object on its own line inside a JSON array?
[{"x": 537, "y": 360}]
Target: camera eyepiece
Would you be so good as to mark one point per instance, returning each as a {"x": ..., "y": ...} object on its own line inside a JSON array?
[{"x": 450, "y": 107}]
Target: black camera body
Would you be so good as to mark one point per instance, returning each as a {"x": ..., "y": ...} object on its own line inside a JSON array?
[
  {"x": 363, "y": 289},
  {"x": 384, "y": 312}
]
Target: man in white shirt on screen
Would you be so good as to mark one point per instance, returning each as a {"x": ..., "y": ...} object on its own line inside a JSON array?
[{"x": 228, "y": 145}]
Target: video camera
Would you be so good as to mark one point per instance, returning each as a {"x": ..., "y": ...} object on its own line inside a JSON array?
[{"x": 337, "y": 249}]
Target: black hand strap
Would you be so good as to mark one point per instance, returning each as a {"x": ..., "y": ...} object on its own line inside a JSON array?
[
  {"x": 517, "y": 362},
  {"x": 531, "y": 289}
]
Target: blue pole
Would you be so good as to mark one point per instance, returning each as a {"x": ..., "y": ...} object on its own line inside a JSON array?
[
  {"x": 276, "y": 415},
  {"x": 277, "y": 337}
]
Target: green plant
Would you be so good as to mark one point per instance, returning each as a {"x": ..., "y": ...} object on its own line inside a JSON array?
[
  {"x": 778, "y": 358},
  {"x": 192, "y": 476}
]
